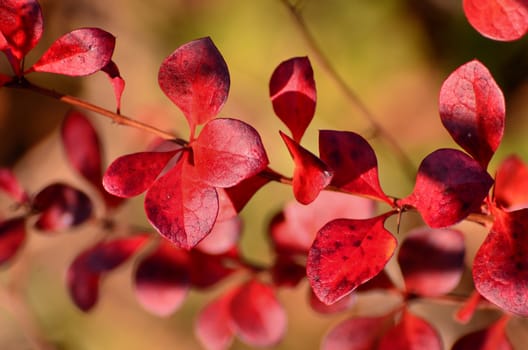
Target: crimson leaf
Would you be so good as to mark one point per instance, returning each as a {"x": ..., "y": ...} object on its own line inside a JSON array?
[
  {"x": 359, "y": 333},
  {"x": 500, "y": 270},
  {"x": 12, "y": 236},
  {"x": 162, "y": 279},
  {"x": 347, "y": 253},
  {"x": 20, "y": 28},
  {"x": 228, "y": 151},
  {"x": 133, "y": 174},
  {"x": 503, "y": 20},
  {"x": 80, "y": 52},
  {"x": 118, "y": 83},
  {"x": 258, "y": 317},
  {"x": 491, "y": 338},
  {"x": 449, "y": 186},
  {"x": 293, "y": 95},
  {"x": 61, "y": 206},
  {"x": 472, "y": 109},
  {"x": 84, "y": 274},
  {"x": 511, "y": 184},
  {"x": 181, "y": 207},
  {"x": 213, "y": 325},
  {"x": 353, "y": 162},
  {"x": 310, "y": 176},
  {"x": 432, "y": 261},
  {"x": 10, "y": 185},
  {"x": 294, "y": 229},
  {"x": 340, "y": 305},
  {"x": 411, "y": 333},
  {"x": 196, "y": 79}
]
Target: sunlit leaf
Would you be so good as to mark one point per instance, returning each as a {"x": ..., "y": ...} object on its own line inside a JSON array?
[
  {"x": 347, "y": 253},
  {"x": 432, "y": 260},
  {"x": 449, "y": 186},
  {"x": 353, "y": 162},
  {"x": 258, "y": 317},
  {"x": 503, "y": 20},
  {"x": 196, "y": 79},
  {"x": 293, "y": 95},
  {"x": 228, "y": 151},
  {"x": 80, "y": 52},
  {"x": 133, "y": 174},
  {"x": 311, "y": 175},
  {"x": 500, "y": 269},
  {"x": 181, "y": 207},
  {"x": 472, "y": 109}
]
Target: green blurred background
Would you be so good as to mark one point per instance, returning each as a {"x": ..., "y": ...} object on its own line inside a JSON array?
[{"x": 393, "y": 53}]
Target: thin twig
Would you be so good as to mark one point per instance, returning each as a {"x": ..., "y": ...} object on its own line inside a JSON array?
[{"x": 407, "y": 165}]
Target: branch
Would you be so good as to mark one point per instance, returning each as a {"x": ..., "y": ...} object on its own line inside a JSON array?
[{"x": 352, "y": 97}]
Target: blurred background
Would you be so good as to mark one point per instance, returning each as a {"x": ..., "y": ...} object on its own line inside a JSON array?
[{"x": 394, "y": 54}]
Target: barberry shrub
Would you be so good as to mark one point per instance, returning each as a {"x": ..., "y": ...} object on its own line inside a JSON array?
[{"x": 334, "y": 233}]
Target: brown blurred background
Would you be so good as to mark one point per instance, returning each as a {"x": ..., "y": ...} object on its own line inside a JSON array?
[{"x": 393, "y": 53}]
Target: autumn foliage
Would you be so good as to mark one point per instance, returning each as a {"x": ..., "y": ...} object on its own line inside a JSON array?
[{"x": 333, "y": 235}]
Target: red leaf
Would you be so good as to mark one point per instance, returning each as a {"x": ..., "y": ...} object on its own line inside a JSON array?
[
  {"x": 118, "y": 83},
  {"x": 162, "y": 280},
  {"x": 61, "y": 206},
  {"x": 4, "y": 79},
  {"x": 286, "y": 272},
  {"x": 353, "y": 162},
  {"x": 241, "y": 193},
  {"x": 339, "y": 306},
  {"x": 432, "y": 261},
  {"x": 511, "y": 184},
  {"x": 294, "y": 229},
  {"x": 196, "y": 79},
  {"x": 207, "y": 270},
  {"x": 213, "y": 326},
  {"x": 293, "y": 95},
  {"x": 311, "y": 175},
  {"x": 12, "y": 236},
  {"x": 449, "y": 186},
  {"x": 411, "y": 333},
  {"x": 20, "y": 27},
  {"x": 466, "y": 311},
  {"x": 491, "y": 338},
  {"x": 503, "y": 20},
  {"x": 345, "y": 254},
  {"x": 84, "y": 274},
  {"x": 10, "y": 185},
  {"x": 82, "y": 146},
  {"x": 472, "y": 109},
  {"x": 133, "y": 174},
  {"x": 500, "y": 270},
  {"x": 181, "y": 207},
  {"x": 258, "y": 317},
  {"x": 81, "y": 52},
  {"x": 354, "y": 334},
  {"x": 223, "y": 237},
  {"x": 228, "y": 151}
]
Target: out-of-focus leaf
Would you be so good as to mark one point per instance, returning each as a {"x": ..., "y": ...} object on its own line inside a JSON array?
[
  {"x": 80, "y": 52},
  {"x": 347, "y": 253},
  {"x": 511, "y": 184},
  {"x": 339, "y": 306},
  {"x": 196, "y": 79},
  {"x": 359, "y": 333},
  {"x": 61, "y": 206},
  {"x": 11, "y": 186},
  {"x": 504, "y": 20},
  {"x": 286, "y": 272},
  {"x": 12, "y": 236},
  {"x": 450, "y": 185},
  {"x": 311, "y": 175},
  {"x": 493, "y": 337},
  {"x": 472, "y": 109},
  {"x": 466, "y": 311},
  {"x": 293, "y": 95},
  {"x": 432, "y": 260}
]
